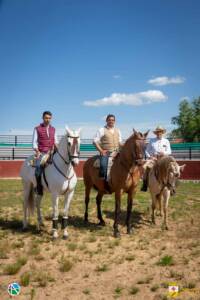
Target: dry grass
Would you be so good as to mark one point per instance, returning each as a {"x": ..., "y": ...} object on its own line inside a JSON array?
[{"x": 91, "y": 264}]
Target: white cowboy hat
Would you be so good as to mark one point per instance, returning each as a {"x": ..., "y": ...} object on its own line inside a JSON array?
[{"x": 159, "y": 129}]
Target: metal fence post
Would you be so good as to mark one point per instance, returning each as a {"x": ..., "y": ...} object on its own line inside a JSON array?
[
  {"x": 13, "y": 153},
  {"x": 15, "y": 140},
  {"x": 190, "y": 153}
]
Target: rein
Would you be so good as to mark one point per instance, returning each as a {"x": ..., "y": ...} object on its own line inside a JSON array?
[
  {"x": 65, "y": 161},
  {"x": 68, "y": 178}
]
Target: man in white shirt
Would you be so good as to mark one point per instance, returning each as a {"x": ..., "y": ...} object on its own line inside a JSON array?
[
  {"x": 157, "y": 148},
  {"x": 107, "y": 140}
]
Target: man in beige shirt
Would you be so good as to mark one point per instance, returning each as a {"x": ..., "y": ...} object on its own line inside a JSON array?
[{"x": 107, "y": 140}]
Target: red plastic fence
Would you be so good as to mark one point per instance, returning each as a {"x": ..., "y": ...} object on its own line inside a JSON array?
[{"x": 11, "y": 169}]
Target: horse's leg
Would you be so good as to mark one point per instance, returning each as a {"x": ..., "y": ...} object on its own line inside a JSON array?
[
  {"x": 160, "y": 205},
  {"x": 99, "y": 215},
  {"x": 129, "y": 210},
  {"x": 87, "y": 199},
  {"x": 55, "y": 200},
  {"x": 166, "y": 196},
  {"x": 27, "y": 189},
  {"x": 39, "y": 211},
  {"x": 153, "y": 207},
  {"x": 68, "y": 198},
  {"x": 117, "y": 213}
]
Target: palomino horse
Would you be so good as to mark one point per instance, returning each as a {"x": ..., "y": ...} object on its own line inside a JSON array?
[
  {"x": 59, "y": 179},
  {"x": 162, "y": 179},
  {"x": 124, "y": 177}
]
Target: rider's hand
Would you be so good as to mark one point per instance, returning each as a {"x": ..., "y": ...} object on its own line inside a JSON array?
[
  {"x": 104, "y": 152},
  {"x": 37, "y": 153},
  {"x": 161, "y": 154}
]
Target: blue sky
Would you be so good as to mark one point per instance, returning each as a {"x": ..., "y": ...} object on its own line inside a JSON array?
[{"x": 85, "y": 59}]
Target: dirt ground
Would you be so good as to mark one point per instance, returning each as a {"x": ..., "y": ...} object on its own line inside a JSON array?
[{"x": 92, "y": 264}]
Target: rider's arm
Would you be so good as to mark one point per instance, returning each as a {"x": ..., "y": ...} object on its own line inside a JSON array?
[
  {"x": 168, "y": 148},
  {"x": 120, "y": 138},
  {"x": 149, "y": 151},
  {"x": 97, "y": 139},
  {"x": 35, "y": 142},
  {"x": 56, "y": 140}
]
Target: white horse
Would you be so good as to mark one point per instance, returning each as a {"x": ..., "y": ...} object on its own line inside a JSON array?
[{"x": 59, "y": 179}]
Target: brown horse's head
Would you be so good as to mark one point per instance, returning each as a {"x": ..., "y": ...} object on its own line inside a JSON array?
[{"x": 139, "y": 143}]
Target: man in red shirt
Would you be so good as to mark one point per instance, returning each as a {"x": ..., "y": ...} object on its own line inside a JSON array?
[{"x": 44, "y": 141}]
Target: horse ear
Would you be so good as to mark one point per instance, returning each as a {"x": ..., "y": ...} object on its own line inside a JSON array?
[
  {"x": 146, "y": 133},
  {"x": 79, "y": 130},
  {"x": 182, "y": 167},
  {"x": 134, "y": 131},
  {"x": 68, "y": 131}
]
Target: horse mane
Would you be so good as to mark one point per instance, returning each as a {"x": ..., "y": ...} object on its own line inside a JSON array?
[{"x": 161, "y": 168}]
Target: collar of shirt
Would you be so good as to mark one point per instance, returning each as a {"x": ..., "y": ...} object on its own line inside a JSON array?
[{"x": 111, "y": 129}]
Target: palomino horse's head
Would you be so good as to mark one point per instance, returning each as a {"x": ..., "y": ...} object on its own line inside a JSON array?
[
  {"x": 174, "y": 172},
  {"x": 139, "y": 146},
  {"x": 73, "y": 145}
]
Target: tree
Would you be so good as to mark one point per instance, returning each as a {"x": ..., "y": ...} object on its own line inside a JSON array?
[{"x": 188, "y": 121}]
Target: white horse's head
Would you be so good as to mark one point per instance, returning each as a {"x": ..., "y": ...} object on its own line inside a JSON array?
[{"x": 73, "y": 144}]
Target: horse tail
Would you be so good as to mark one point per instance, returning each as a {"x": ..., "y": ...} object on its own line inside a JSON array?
[{"x": 31, "y": 201}]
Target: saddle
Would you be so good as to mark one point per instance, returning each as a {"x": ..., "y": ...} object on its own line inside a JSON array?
[
  {"x": 32, "y": 161},
  {"x": 106, "y": 178},
  {"x": 44, "y": 161}
]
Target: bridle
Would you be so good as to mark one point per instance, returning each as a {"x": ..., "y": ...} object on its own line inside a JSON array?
[
  {"x": 71, "y": 157},
  {"x": 137, "y": 156}
]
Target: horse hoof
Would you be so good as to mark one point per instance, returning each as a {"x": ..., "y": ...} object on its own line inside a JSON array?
[
  {"x": 86, "y": 222},
  {"x": 130, "y": 231},
  {"x": 116, "y": 234},
  {"x": 102, "y": 223},
  {"x": 55, "y": 235},
  {"x": 65, "y": 237}
]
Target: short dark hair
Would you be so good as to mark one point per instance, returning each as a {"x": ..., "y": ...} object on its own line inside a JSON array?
[
  {"x": 110, "y": 116},
  {"x": 46, "y": 112}
]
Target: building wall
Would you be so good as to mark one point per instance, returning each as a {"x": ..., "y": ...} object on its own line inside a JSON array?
[{"x": 11, "y": 169}]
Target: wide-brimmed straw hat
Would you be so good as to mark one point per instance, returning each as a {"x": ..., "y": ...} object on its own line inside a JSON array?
[{"x": 159, "y": 129}]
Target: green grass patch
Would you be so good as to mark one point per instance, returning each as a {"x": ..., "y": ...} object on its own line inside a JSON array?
[
  {"x": 133, "y": 290},
  {"x": 25, "y": 278},
  {"x": 166, "y": 260},
  {"x": 102, "y": 268},
  {"x": 65, "y": 264}
]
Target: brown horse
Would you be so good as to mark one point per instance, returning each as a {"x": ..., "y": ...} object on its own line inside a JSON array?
[{"x": 124, "y": 176}]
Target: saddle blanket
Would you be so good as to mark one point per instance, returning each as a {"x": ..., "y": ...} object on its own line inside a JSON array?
[{"x": 32, "y": 160}]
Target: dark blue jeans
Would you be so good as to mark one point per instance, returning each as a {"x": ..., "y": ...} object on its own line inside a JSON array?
[
  {"x": 38, "y": 168},
  {"x": 103, "y": 166}
]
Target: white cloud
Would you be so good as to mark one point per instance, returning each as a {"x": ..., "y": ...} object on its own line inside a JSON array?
[
  {"x": 164, "y": 80},
  {"x": 135, "y": 99}
]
